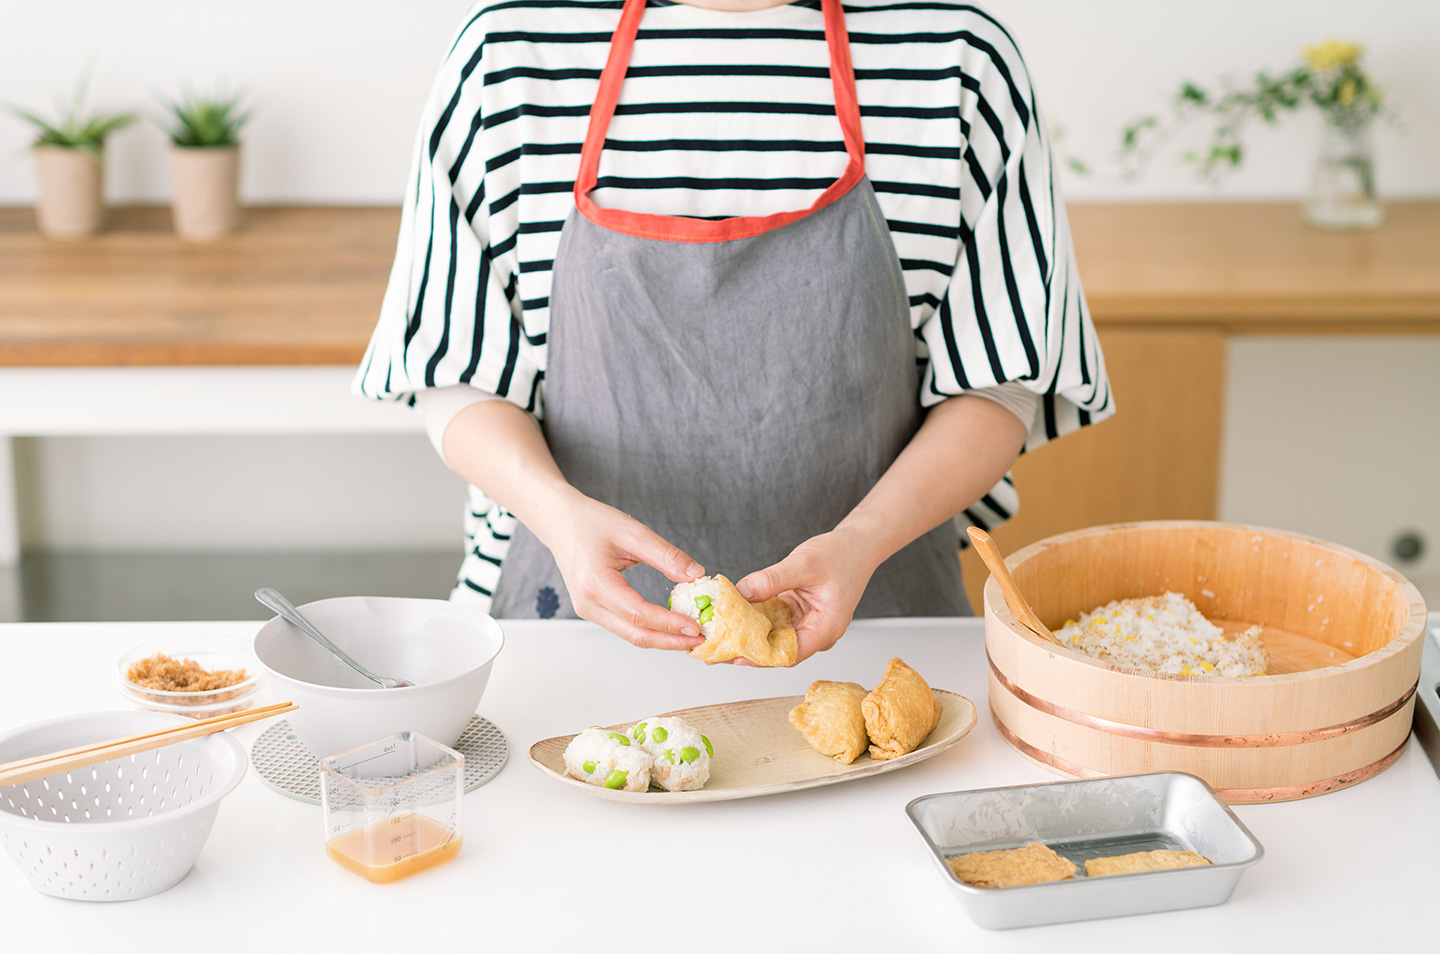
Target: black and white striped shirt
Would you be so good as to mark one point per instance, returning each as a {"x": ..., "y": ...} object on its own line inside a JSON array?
[{"x": 725, "y": 114}]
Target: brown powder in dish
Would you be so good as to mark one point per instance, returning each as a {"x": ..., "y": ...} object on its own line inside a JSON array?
[{"x": 166, "y": 674}]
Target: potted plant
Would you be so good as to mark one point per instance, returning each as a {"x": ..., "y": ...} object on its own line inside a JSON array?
[
  {"x": 1330, "y": 78},
  {"x": 70, "y": 166},
  {"x": 205, "y": 165}
]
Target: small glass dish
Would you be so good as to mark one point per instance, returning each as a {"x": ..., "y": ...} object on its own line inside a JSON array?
[{"x": 212, "y": 653}]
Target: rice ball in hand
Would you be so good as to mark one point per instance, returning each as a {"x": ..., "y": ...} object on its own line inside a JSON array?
[
  {"x": 734, "y": 627},
  {"x": 608, "y": 759}
]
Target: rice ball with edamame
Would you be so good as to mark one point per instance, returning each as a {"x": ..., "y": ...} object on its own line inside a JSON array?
[
  {"x": 681, "y": 755},
  {"x": 608, "y": 759}
]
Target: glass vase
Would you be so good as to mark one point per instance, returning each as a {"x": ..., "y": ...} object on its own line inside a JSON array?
[{"x": 1342, "y": 193}]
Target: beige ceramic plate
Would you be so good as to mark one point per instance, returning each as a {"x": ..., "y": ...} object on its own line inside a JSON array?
[{"x": 758, "y": 751}]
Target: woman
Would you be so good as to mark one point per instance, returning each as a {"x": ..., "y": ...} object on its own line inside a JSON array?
[{"x": 799, "y": 300}]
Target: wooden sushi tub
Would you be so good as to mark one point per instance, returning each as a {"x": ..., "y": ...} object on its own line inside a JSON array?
[{"x": 1344, "y": 634}]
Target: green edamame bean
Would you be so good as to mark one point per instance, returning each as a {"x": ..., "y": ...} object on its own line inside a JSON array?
[
  {"x": 659, "y": 734},
  {"x": 639, "y": 732},
  {"x": 670, "y": 756},
  {"x": 709, "y": 749},
  {"x": 620, "y": 737},
  {"x": 689, "y": 754},
  {"x": 588, "y": 767},
  {"x": 616, "y": 779}
]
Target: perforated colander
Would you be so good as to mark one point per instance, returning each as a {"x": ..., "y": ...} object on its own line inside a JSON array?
[{"x": 120, "y": 830}]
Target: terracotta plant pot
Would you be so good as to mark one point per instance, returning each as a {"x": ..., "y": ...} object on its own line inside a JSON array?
[
  {"x": 206, "y": 202},
  {"x": 70, "y": 203}
]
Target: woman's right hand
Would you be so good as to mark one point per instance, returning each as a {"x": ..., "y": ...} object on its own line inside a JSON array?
[
  {"x": 593, "y": 543},
  {"x": 500, "y": 448}
]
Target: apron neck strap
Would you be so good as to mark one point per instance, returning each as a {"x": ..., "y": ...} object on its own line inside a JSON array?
[{"x": 681, "y": 228}]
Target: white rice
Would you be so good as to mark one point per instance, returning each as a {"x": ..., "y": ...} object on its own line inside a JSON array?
[
  {"x": 1165, "y": 634},
  {"x": 683, "y": 599},
  {"x": 608, "y": 759},
  {"x": 680, "y": 752}
]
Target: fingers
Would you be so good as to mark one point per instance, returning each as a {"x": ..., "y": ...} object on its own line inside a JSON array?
[
  {"x": 817, "y": 640},
  {"x": 769, "y": 582},
  {"x": 605, "y": 598},
  {"x": 640, "y": 544}
]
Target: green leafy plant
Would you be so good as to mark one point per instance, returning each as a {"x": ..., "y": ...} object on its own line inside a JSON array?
[
  {"x": 76, "y": 129},
  {"x": 206, "y": 122},
  {"x": 1329, "y": 77}
]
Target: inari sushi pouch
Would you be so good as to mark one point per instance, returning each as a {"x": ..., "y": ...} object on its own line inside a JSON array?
[{"x": 733, "y": 626}]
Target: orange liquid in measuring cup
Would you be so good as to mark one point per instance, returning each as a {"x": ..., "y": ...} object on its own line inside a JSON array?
[{"x": 394, "y": 848}]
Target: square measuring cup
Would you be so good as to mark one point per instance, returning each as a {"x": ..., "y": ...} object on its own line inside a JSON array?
[
  {"x": 393, "y": 806},
  {"x": 1085, "y": 819}
]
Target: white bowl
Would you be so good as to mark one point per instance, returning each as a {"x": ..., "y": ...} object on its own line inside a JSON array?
[
  {"x": 445, "y": 648},
  {"x": 124, "y": 829}
]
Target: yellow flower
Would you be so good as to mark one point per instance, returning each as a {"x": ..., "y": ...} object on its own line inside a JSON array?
[
  {"x": 1332, "y": 54},
  {"x": 1346, "y": 93}
]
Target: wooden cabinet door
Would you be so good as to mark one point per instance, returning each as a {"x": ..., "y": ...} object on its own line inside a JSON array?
[{"x": 1156, "y": 459}]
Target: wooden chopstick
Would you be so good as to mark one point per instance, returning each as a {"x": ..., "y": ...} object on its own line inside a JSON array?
[{"x": 40, "y": 766}]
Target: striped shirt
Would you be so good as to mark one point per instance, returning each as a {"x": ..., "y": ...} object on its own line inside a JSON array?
[{"x": 725, "y": 114}]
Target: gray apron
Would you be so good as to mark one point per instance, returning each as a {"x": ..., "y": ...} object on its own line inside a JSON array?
[{"x": 737, "y": 397}]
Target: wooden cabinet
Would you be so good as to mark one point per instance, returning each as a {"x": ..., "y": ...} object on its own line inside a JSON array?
[{"x": 1169, "y": 286}]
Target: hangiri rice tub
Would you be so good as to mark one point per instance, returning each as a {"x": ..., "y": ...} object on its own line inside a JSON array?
[{"x": 1342, "y": 634}]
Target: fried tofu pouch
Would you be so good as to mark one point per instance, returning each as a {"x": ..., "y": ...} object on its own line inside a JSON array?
[
  {"x": 733, "y": 626},
  {"x": 1033, "y": 864},
  {"x": 900, "y": 712},
  {"x": 831, "y": 719},
  {"x": 1143, "y": 861}
]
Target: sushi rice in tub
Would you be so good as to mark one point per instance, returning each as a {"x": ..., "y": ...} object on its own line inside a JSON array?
[{"x": 608, "y": 759}]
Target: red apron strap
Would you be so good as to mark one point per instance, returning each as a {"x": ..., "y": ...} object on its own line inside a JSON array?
[{"x": 680, "y": 228}]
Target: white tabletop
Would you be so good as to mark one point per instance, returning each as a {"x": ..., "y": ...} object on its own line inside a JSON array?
[{"x": 839, "y": 868}]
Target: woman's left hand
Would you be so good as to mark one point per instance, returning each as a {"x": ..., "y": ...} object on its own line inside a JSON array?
[{"x": 821, "y": 581}]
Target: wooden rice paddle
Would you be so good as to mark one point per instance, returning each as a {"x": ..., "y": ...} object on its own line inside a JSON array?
[
  {"x": 1018, "y": 607},
  {"x": 40, "y": 766}
]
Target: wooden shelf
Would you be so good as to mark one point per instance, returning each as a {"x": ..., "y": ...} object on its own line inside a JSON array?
[
  {"x": 1256, "y": 268},
  {"x": 295, "y": 286},
  {"x": 302, "y": 285}
]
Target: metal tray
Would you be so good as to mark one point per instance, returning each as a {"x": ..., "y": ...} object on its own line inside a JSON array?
[
  {"x": 1090, "y": 818},
  {"x": 1427, "y": 712}
]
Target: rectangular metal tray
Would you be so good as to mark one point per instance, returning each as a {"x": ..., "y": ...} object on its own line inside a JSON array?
[
  {"x": 1090, "y": 818},
  {"x": 1427, "y": 711}
]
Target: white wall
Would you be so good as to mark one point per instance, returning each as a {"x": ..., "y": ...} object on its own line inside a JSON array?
[{"x": 337, "y": 87}]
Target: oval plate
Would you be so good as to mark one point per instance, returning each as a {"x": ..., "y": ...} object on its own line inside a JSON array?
[{"x": 758, "y": 751}]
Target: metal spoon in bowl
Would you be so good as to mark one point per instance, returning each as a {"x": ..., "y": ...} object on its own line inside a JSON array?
[{"x": 272, "y": 598}]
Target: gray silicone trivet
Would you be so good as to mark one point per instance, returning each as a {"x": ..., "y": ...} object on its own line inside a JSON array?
[{"x": 283, "y": 762}]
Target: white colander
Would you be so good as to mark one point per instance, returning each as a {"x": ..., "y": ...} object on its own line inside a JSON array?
[{"x": 120, "y": 830}]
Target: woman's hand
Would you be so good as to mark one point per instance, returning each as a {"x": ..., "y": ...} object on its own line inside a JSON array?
[
  {"x": 963, "y": 448},
  {"x": 499, "y": 447},
  {"x": 592, "y": 544},
  {"x": 821, "y": 581}
]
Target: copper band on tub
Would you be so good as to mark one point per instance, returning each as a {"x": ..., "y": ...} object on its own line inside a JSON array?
[
  {"x": 1235, "y": 796},
  {"x": 1188, "y": 738}
]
